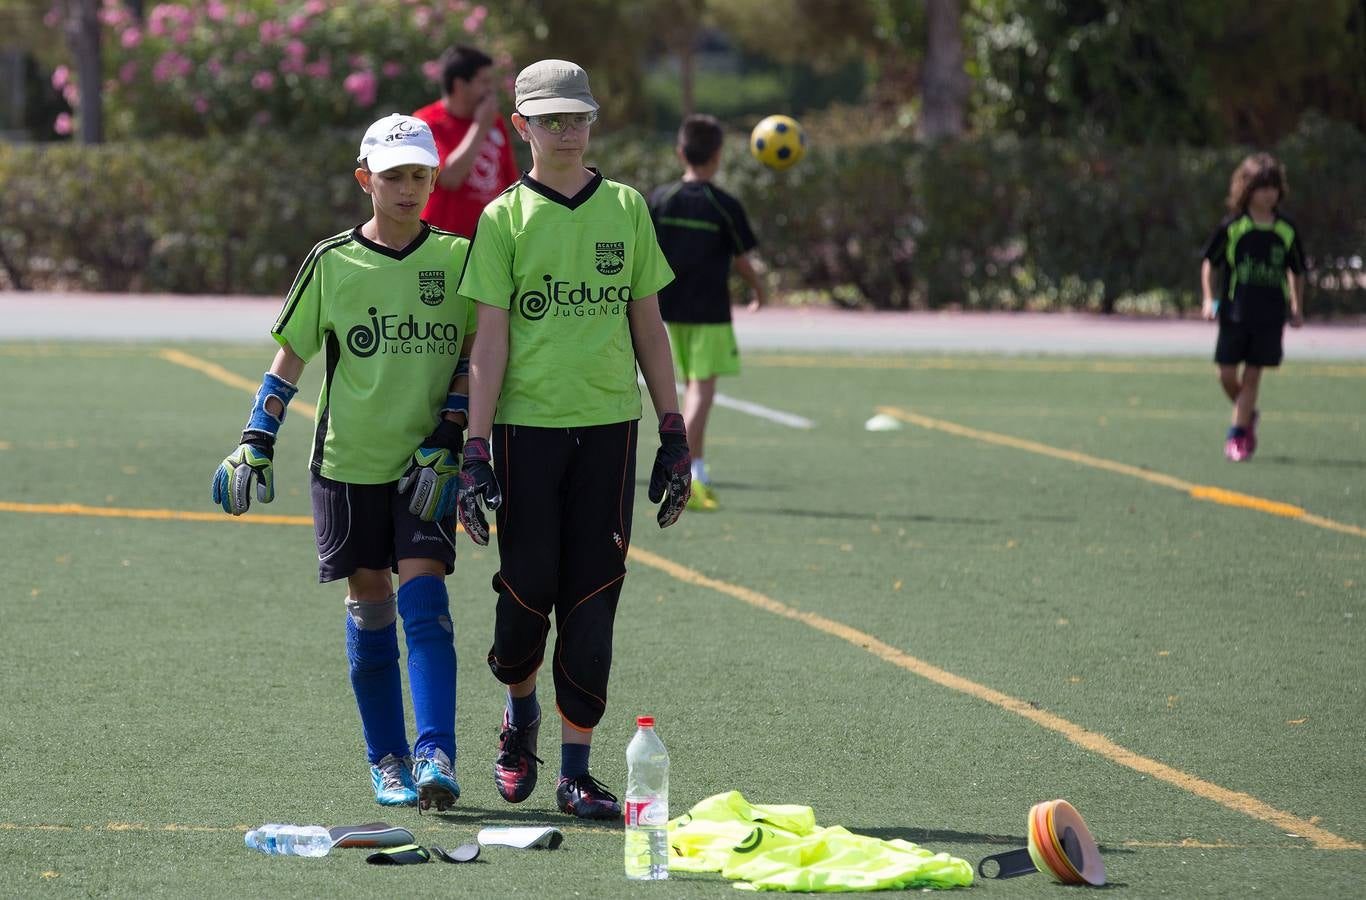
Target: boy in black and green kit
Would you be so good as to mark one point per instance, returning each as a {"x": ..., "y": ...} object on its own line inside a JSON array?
[
  {"x": 701, "y": 230},
  {"x": 565, "y": 269},
  {"x": 1259, "y": 255},
  {"x": 378, "y": 303}
]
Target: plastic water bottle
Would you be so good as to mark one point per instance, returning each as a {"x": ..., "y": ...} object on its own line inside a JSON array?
[
  {"x": 290, "y": 840},
  {"x": 647, "y": 804}
]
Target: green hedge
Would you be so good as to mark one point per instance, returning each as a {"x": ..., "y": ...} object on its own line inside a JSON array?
[{"x": 990, "y": 223}]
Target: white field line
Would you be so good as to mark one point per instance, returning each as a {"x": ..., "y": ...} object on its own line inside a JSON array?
[{"x": 791, "y": 420}]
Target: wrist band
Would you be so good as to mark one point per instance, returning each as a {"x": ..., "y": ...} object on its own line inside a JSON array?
[
  {"x": 262, "y": 419},
  {"x": 457, "y": 403}
]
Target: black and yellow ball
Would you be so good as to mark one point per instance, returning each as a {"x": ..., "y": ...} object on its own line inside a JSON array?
[{"x": 778, "y": 142}]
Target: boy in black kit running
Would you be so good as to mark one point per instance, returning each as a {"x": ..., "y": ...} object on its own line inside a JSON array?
[{"x": 701, "y": 229}]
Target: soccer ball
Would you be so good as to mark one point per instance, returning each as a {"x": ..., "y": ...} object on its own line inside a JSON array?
[{"x": 778, "y": 142}]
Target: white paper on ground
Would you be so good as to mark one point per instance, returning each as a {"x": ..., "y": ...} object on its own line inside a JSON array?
[
  {"x": 523, "y": 838},
  {"x": 882, "y": 422}
]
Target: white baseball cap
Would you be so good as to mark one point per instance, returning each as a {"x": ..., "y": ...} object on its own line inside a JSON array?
[{"x": 398, "y": 140}]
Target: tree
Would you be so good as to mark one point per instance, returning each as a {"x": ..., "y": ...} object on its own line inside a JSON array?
[
  {"x": 1269, "y": 61},
  {"x": 945, "y": 84},
  {"x": 1187, "y": 71},
  {"x": 680, "y": 30},
  {"x": 81, "y": 20},
  {"x": 911, "y": 48},
  {"x": 603, "y": 36}
]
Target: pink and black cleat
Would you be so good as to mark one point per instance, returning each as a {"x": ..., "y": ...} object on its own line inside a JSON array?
[{"x": 514, "y": 769}]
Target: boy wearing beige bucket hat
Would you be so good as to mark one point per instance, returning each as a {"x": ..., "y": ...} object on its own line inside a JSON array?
[{"x": 565, "y": 270}]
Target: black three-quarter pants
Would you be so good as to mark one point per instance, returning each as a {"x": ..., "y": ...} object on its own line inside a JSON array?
[{"x": 563, "y": 530}]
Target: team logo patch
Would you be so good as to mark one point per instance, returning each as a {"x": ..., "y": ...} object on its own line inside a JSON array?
[
  {"x": 611, "y": 257},
  {"x": 431, "y": 286}
]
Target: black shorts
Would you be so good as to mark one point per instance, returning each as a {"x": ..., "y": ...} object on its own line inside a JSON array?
[
  {"x": 564, "y": 530},
  {"x": 368, "y": 526},
  {"x": 1256, "y": 345}
]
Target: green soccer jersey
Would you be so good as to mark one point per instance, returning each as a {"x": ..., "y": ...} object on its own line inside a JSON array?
[
  {"x": 392, "y": 325},
  {"x": 566, "y": 269}
]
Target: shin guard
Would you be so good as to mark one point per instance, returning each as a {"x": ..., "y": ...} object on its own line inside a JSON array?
[
  {"x": 425, "y": 609},
  {"x": 377, "y": 683}
]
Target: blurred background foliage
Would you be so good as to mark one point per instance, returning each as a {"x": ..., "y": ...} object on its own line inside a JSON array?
[{"x": 980, "y": 153}]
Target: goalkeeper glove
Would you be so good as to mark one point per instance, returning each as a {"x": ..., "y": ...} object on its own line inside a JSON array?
[
  {"x": 433, "y": 473},
  {"x": 251, "y": 461},
  {"x": 671, "y": 478},
  {"x": 477, "y": 480}
]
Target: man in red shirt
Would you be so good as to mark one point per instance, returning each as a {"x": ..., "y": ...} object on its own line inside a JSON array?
[{"x": 476, "y": 154}]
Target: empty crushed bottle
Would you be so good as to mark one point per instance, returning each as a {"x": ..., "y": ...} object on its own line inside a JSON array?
[{"x": 290, "y": 840}]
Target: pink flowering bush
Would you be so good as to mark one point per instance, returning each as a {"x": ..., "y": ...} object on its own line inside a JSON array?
[{"x": 222, "y": 66}]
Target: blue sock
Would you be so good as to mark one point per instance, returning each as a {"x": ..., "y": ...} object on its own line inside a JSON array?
[
  {"x": 573, "y": 760},
  {"x": 1236, "y": 431},
  {"x": 379, "y": 689},
  {"x": 425, "y": 609},
  {"x": 523, "y": 711}
]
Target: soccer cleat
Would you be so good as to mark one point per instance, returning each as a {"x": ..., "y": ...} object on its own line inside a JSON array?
[
  {"x": 434, "y": 777},
  {"x": 514, "y": 769},
  {"x": 1236, "y": 448},
  {"x": 393, "y": 781},
  {"x": 586, "y": 797},
  {"x": 703, "y": 498}
]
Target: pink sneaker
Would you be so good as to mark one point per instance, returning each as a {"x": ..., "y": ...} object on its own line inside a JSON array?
[{"x": 1236, "y": 449}]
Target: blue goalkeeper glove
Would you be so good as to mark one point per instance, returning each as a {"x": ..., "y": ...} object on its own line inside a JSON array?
[
  {"x": 671, "y": 477},
  {"x": 252, "y": 461},
  {"x": 477, "y": 480},
  {"x": 433, "y": 475}
]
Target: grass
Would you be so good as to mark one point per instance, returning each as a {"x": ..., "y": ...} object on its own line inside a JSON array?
[{"x": 919, "y": 633}]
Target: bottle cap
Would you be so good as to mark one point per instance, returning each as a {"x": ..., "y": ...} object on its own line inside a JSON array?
[{"x": 646, "y": 721}]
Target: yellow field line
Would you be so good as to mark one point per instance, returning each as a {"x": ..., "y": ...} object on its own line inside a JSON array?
[
  {"x": 164, "y": 515},
  {"x": 116, "y": 826},
  {"x": 172, "y": 515},
  {"x": 1089, "y": 740},
  {"x": 222, "y": 375},
  {"x": 1138, "y": 412},
  {"x": 1007, "y": 364},
  {"x": 1191, "y": 489}
]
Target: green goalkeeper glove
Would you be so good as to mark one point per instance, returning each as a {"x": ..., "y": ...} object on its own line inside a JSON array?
[
  {"x": 251, "y": 461},
  {"x": 433, "y": 474}
]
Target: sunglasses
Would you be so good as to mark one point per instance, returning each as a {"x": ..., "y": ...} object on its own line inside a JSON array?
[{"x": 558, "y": 123}]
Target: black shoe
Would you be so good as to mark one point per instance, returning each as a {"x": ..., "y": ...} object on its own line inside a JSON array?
[
  {"x": 514, "y": 769},
  {"x": 586, "y": 797}
]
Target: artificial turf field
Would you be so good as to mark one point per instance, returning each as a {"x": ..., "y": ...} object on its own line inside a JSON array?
[{"x": 1047, "y": 584}]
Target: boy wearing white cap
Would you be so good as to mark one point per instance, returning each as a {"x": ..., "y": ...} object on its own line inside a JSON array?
[
  {"x": 380, "y": 301},
  {"x": 565, "y": 270}
]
